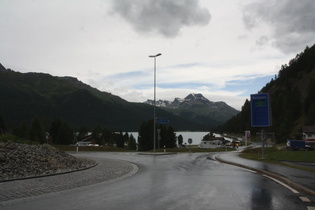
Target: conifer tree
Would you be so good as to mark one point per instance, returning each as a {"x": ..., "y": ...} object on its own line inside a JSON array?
[
  {"x": 2, "y": 126},
  {"x": 132, "y": 144},
  {"x": 37, "y": 132}
]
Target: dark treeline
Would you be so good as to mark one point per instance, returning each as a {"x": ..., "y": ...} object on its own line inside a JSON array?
[
  {"x": 60, "y": 132},
  {"x": 166, "y": 137}
]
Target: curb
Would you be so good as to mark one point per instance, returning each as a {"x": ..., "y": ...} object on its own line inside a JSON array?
[
  {"x": 157, "y": 153},
  {"x": 53, "y": 174},
  {"x": 276, "y": 176}
]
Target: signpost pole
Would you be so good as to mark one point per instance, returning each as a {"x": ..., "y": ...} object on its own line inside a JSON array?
[
  {"x": 190, "y": 142},
  {"x": 159, "y": 137},
  {"x": 263, "y": 137}
]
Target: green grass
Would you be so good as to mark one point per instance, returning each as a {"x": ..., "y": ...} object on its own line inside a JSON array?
[
  {"x": 14, "y": 139},
  {"x": 273, "y": 155}
]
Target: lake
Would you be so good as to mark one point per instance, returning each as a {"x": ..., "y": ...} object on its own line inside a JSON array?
[{"x": 195, "y": 136}]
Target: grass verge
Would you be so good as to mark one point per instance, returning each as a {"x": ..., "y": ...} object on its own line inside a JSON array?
[{"x": 273, "y": 155}]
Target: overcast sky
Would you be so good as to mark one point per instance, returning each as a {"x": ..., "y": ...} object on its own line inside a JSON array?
[{"x": 225, "y": 49}]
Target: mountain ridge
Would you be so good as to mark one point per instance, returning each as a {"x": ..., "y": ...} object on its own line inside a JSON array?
[
  {"x": 195, "y": 106},
  {"x": 26, "y": 95}
]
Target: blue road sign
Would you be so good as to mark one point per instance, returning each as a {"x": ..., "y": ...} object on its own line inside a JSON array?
[
  {"x": 162, "y": 121},
  {"x": 260, "y": 111}
]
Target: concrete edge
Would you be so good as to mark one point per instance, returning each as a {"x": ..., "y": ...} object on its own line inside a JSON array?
[
  {"x": 276, "y": 176},
  {"x": 53, "y": 174},
  {"x": 135, "y": 169},
  {"x": 157, "y": 153}
]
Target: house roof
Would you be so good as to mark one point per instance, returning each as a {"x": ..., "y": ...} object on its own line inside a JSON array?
[
  {"x": 308, "y": 129},
  {"x": 213, "y": 138}
]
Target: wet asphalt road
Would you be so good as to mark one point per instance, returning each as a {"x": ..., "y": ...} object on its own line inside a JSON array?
[{"x": 181, "y": 181}]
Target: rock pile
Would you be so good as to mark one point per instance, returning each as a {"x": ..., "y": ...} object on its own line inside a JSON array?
[{"x": 23, "y": 160}]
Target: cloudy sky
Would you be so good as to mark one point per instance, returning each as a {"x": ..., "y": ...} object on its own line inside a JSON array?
[{"x": 225, "y": 49}]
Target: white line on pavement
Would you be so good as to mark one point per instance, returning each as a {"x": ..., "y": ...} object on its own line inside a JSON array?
[
  {"x": 305, "y": 199},
  {"x": 283, "y": 184}
]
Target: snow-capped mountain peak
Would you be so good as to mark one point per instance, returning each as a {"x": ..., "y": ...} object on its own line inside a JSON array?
[
  {"x": 197, "y": 107},
  {"x": 196, "y": 97},
  {"x": 191, "y": 98}
]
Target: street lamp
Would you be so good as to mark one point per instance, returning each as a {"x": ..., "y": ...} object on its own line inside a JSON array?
[{"x": 154, "y": 103}]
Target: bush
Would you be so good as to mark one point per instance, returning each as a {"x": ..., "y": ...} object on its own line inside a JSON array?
[{"x": 12, "y": 138}]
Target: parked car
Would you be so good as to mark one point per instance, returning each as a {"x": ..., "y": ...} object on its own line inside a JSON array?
[
  {"x": 297, "y": 145},
  {"x": 237, "y": 143}
]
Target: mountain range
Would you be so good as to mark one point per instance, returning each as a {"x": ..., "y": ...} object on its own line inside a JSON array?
[
  {"x": 26, "y": 95},
  {"x": 197, "y": 108}
]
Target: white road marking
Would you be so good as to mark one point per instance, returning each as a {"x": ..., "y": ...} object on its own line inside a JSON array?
[
  {"x": 254, "y": 172},
  {"x": 283, "y": 184},
  {"x": 310, "y": 208},
  {"x": 305, "y": 199}
]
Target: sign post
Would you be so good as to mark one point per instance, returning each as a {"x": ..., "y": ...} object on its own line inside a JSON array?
[
  {"x": 260, "y": 115},
  {"x": 190, "y": 142},
  {"x": 159, "y": 137},
  {"x": 247, "y": 134}
]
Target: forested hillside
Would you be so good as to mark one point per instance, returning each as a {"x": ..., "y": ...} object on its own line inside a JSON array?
[
  {"x": 292, "y": 100},
  {"x": 25, "y": 96}
]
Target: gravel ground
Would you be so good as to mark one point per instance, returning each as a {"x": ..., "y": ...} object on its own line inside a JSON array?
[
  {"x": 31, "y": 170},
  {"x": 22, "y": 161},
  {"x": 105, "y": 170}
]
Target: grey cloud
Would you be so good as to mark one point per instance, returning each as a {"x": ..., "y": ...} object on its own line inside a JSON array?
[
  {"x": 292, "y": 22},
  {"x": 165, "y": 17},
  {"x": 262, "y": 40}
]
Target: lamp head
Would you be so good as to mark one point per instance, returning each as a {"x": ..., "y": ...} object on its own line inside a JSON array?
[{"x": 153, "y": 56}]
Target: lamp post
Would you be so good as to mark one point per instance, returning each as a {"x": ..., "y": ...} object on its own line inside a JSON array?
[{"x": 154, "y": 103}]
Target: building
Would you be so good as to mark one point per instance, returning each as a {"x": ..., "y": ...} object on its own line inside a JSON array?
[
  {"x": 212, "y": 142},
  {"x": 83, "y": 143},
  {"x": 308, "y": 133}
]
